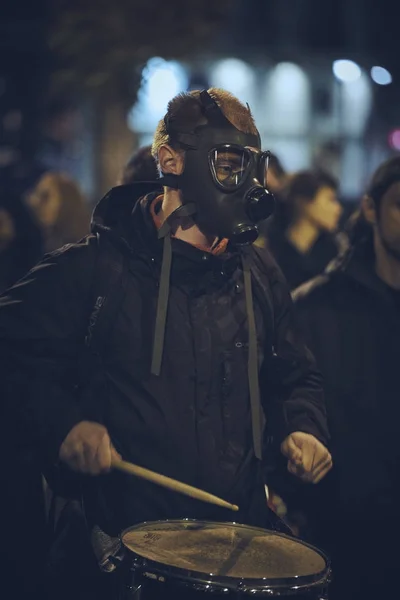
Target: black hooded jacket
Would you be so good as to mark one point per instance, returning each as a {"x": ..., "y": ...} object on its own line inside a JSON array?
[
  {"x": 193, "y": 422},
  {"x": 351, "y": 321}
]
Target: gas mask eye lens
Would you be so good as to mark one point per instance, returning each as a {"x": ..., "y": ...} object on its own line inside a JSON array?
[
  {"x": 229, "y": 166},
  {"x": 226, "y": 173}
]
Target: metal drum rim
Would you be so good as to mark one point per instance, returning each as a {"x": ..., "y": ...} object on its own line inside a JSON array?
[{"x": 240, "y": 584}]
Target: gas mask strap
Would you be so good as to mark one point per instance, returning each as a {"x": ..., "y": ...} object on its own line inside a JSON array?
[
  {"x": 169, "y": 180},
  {"x": 162, "y": 306},
  {"x": 255, "y": 402},
  {"x": 186, "y": 210}
]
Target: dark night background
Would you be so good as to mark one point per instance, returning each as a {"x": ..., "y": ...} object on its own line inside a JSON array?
[
  {"x": 73, "y": 73},
  {"x": 84, "y": 53}
]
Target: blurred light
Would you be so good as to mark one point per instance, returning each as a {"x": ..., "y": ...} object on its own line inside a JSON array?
[
  {"x": 346, "y": 70},
  {"x": 287, "y": 100},
  {"x": 356, "y": 106},
  {"x": 394, "y": 139},
  {"x": 381, "y": 76},
  {"x": 235, "y": 76},
  {"x": 294, "y": 150},
  {"x": 352, "y": 170},
  {"x": 161, "y": 81}
]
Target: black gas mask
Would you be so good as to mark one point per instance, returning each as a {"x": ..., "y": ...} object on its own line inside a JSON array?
[{"x": 223, "y": 184}]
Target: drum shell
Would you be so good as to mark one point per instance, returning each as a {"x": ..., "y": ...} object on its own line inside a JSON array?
[
  {"x": 147, "y": 579},
  {"x": 140, "y": 586}
]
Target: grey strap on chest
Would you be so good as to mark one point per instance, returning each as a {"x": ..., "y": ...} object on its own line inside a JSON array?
[
  {"x": 257, "y": 416},
  {"x": 162, "y": 307},
  {"x": 164, "y": 233}
]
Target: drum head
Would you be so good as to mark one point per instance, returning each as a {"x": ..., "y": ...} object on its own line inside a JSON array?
[{"x": 225, "y": 550}]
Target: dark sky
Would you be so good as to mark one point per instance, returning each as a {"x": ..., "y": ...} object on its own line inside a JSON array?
[
  {"x": 372, "y": 25},
  {"x": 362, "y": 29},
  {"x": 352, "y": 27},
  {"x": 365, "y": 30}
]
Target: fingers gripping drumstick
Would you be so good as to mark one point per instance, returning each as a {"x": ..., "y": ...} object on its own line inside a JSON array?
[{"x": 171, "y": 484}]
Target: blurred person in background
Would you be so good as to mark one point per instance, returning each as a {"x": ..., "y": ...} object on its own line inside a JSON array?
[
  {"x": 140, "y": 167},
  {"x": 301, "y": 234},
  {"x": 19, "y": 170},
  {"x": 351, "y": 320},
  {"x": 20, "y": 240},
  {"x": 22, "y": 515},
  {"x": 22, "y": 502},
  {"x": 60, "y": 210},
  {"x": 60, "y": 143}
]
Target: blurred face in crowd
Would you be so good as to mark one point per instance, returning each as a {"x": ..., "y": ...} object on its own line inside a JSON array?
[
  {"x": 388, "y": 221},
  {"x": 323, "y": 211},
  {"x": 45, "y": 201},
  {"x": 7, "y": 229}
]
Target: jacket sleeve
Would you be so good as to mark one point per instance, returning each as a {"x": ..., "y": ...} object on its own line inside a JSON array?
[
  {"x": 292, "y": 372},
  {"x": 43, "y": 321}
]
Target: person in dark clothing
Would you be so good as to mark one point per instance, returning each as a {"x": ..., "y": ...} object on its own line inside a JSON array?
[
  {"x": 21, "y": 243},
  {"x": 21, "y": 247},
  {"x": 300, "y": 235},
  {"x": 140, "y": 167},
  {"x": 189, "y": 359},
  {"x": 351, "y": 319}
]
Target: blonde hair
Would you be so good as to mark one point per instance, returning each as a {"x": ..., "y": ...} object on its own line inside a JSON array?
[
  {"x": 235, "y": 111},
  {"x": 73, "y": 219}
]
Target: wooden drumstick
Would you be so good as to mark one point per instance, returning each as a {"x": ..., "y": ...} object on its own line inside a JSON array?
[{"x": 171, "y": 484}]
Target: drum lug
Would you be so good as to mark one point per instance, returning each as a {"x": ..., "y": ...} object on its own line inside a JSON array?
[
  {"x": 115, "y": 560},
  {"x": 131, "y": 592},
  {"x": 135, "y": 592}
]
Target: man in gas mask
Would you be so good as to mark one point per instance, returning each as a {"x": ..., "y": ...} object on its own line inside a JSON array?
[{"x": 193, "y": 328}]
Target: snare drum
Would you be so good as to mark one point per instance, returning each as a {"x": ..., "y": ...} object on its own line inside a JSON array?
[{"x": 185, "y": 559}]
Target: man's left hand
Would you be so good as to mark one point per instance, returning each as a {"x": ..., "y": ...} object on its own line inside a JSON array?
[{"x": 307, "y": 457}]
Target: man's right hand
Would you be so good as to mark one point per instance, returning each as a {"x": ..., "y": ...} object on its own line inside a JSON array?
[{"x": 88, "y": 449}]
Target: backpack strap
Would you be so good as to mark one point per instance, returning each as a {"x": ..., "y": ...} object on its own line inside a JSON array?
[{"x": 263, "y": 292}]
